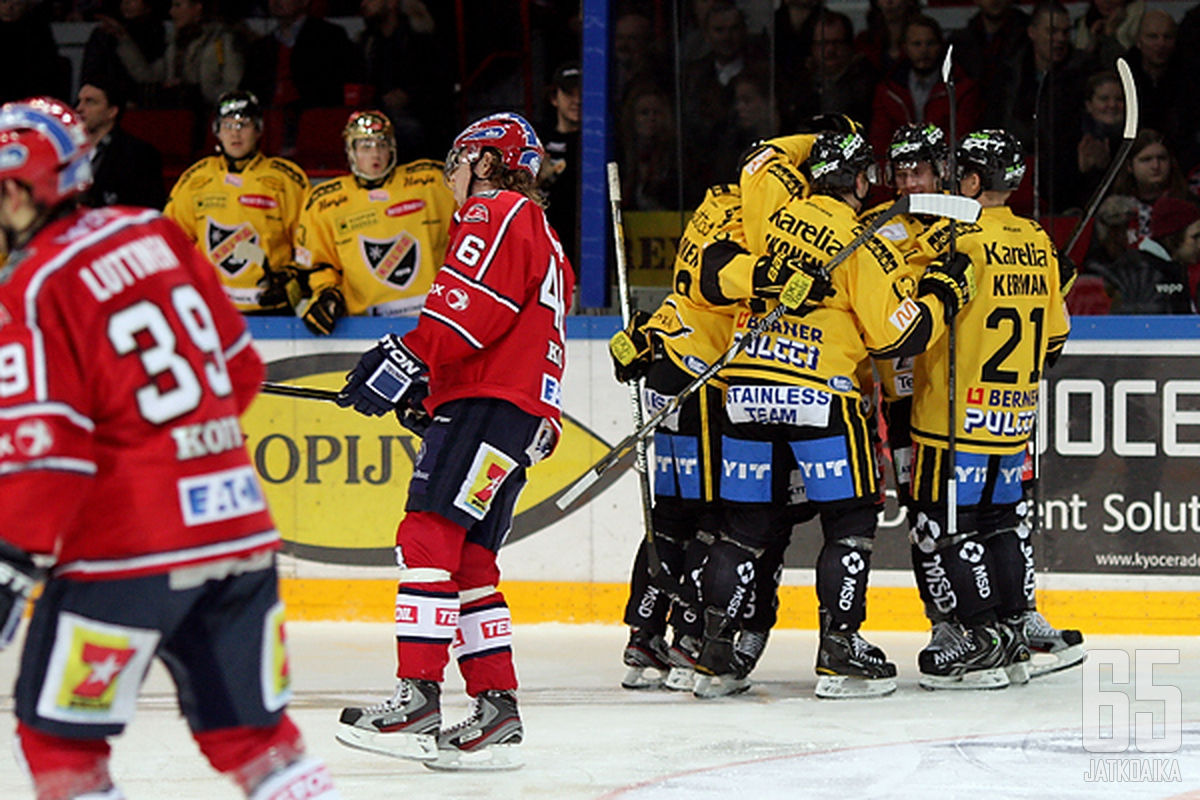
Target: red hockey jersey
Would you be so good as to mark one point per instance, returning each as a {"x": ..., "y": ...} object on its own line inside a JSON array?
[
  {"x": 493, "y": 324},
  {"x": 123, "y": 370}
]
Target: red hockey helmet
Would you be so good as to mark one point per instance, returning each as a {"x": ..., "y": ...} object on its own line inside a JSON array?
[
  {"x": 43, "y": 145},
  {"x": 507, "y": 133}
]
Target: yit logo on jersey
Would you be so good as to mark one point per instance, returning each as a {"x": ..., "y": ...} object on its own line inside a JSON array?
[
  {"x": 484, "y": 479},
  {"x": 223, "y": 244},
  {"x": 393, "y": 261}
]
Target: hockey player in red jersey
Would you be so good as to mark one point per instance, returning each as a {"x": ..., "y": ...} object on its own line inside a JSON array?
[
  {"x": 126, "y": 486},
  {"x": 486, "y": 360}
]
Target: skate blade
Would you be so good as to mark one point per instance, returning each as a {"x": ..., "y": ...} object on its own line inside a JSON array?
[
  {"x": 1018, "y": 673},
  {"x": 1063, "y": 659},
  {"x": 680, "y": 679},
  {"x": 412, "y": 746},
  {"x": 637, "y": 678},
  {"x": 493, "y": 758},
  {"x": 995, "y": 678},
  {"x": 710, "y": 686},
  {"x": 839, "y": 687}
]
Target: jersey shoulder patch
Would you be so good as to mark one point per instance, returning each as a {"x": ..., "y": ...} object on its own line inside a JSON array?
[
  {"x": 290, "y": 169},
  {"x": 323, "y": 195},
  {"x": 195, "y": 171}
]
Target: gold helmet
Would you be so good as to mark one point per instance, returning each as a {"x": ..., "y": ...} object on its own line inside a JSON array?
[{"x": 368, "y": 125}]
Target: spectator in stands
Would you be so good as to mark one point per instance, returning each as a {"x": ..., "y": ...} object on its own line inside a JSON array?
[
  {"x": 755, "y": 117},
  {"x": 915, "y": 93},
  {"x": 1123, "y": 219},
  {"x": 143, "y": 30},
  {"x": 795, "y": 25},
  {"x": 560, "y": 170},
  {"x": 125, "y": 170},
  {"x": 838, "y": 80},
  {"x": 693, "y": 45},
  {"x": 1154, "y": 277},
  {"x": 202, "y": 61},
  {"x": 648, "y": 150},
  {"x": 882, "y": 41},
  {"x": 1102, "y": 126},
  {"x": 371, "y": 242},
  {"x": 29, "y": 62},
  {"x": 240, "y": 208},
  {"x": 303, "y": 62},
  {"x": 991, "y": 36},
  {"x": 633, "y": 53},
  {"x": 1162, "y": 86},
  {"x": 408, "y": 72},
  {"x": 1108, "y": 29},
  {"x": 1044, "y": 82}
]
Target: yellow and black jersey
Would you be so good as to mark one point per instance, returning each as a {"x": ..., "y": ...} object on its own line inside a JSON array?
[
  {"x": 1016, "y": 318},
  {"x": 381, "y": 246},
  {"x": 770, "y": 177},
  {"x": 244, "y": 220},
  {"x": 695, "y": 322},
  {"x": 871, "y": 314}
]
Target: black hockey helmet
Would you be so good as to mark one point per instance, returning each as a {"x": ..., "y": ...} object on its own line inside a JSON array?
[
  {"x": 914, "y": 143},
  {"x": 835, "y": 161},
  {"x": 834, "y": 123},
  {"x": 995, "y": 156},
  {"x": 238, "y": 104}
]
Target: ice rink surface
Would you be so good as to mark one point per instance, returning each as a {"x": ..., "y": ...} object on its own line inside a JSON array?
[{"x": 588, "y": 738}]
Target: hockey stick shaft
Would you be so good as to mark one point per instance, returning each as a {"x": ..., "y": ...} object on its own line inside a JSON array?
[
  {"x": 961, "y": 208},
  {"x": 302, "y": 392},
  {"x": 1127, "y": 137},
  {"x": 635, "y": 387},
  {"x": 951, "y": 343}
]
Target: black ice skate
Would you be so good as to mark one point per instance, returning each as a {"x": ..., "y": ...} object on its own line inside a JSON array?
[
  {"x": 487, "y": 739},
  {"x": 850, "y": 666},
  {"x": 717, "y": 675},
  {"x": 403, "y": 726},
  {"x": 682, "y": 660},
  {"x": 646, "y": 659},
  {"x": 976, "y": 661},
  {"x": 1016, "y": 650},
  {"x": 1052, "y": 649}
]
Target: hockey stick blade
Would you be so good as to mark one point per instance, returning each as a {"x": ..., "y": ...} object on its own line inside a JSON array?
[
  {"x": 302, "y": 392},
  {"x": 961, "y": 208},
  {"x": 1127, "y": 137}
]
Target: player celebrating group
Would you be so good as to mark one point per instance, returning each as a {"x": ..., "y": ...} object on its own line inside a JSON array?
[
  {"x": 486, "y": 360},
  {"x": 124, "y": 372}
]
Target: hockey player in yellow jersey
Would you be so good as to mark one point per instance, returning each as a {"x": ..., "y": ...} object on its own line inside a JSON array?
[
  {"x": 1016, "y": 325},
  {"x": 794, "y": 400},
  {"x": 240, "y": 208},
  {"x": 372, "y": 241}
]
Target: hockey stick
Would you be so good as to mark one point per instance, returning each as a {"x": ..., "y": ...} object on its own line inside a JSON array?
[
  {"x": 303, "y": 392},
  {"x": 952, "y": 389},
  {"x": 940, "y": 205},
  {"x": 635, "y": 387},
  {"x": 1127, "y": 137}
]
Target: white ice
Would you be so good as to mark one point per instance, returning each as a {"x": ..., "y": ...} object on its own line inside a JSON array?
[{"x": 588, "y": 738}]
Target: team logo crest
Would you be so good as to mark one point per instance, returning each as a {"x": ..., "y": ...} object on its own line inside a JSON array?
[
  {"x": 223, "y": 245},
  {"x": 393, "y": 261}
]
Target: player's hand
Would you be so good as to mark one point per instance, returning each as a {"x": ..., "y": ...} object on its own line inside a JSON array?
[
  {"x": 631, "y": 349},
  {"x": 386, "y": 378},
  {"x": 281, "y": 287},
  {"x": 789, "y": 279},
  {"x": 18, "y": 576},
  {"x": 952, "y": 280},
  {"x": 324, "y": 310},
  {"x": 415, "y": 418},
  {"x": 1067, "y": 272}
]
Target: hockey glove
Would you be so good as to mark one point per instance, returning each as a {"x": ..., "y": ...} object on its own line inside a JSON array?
[
  {"x": 18, "y": 576},
  {"x": 415, "y": 418},
  {"x": 790, "y": 280},
  {"x": 1067, "y": 272},
  {"x": 324, "y": 310},
  {"x": 631, "y": 349},
  {"x": 388, "y": 377},
  {"x": 281, "y": 287},
  {"x": 952, "y": 280}
]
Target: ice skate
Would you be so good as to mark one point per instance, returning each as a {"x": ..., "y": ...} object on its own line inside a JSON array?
[
  {"x": 716, "y": 672},
  {"x": 1016, "y": 650},
  {"x": 682, "y": 660},
  {"x": 403, "y": 726},
  {"x": 646, "y": 660},
  {"x": 976, "y": 661},
  {"x": 1051, "y": 649},
  {"x": 850, "y": 666},
  {"x": 487, "y": 739}
]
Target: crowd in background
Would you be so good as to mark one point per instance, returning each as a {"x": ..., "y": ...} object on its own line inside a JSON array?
[{"x": 692, "y": 84}]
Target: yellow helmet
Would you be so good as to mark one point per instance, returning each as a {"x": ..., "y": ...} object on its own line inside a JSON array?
[{"x": 368, "y": 125}]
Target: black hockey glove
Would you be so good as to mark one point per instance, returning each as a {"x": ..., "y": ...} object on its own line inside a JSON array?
[
  {"x": 789, "y": 279},
  {"x": 415, "y": 418},
  {"x": 281, "y": 287},
  {"x": 324, "y": 310},
  {"x": 952, "y": 280},
  {"x": 1067, "y": 272},
  {"x": 388, "y": 377},
  {"x": 18, "y": 576},
  {"x": 631, "y": 349}
]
